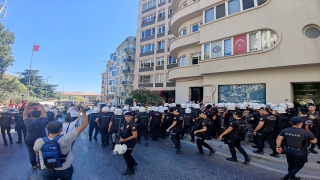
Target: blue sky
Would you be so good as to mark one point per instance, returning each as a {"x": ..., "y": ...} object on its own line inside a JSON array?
[{"x": 75, "y": 37}]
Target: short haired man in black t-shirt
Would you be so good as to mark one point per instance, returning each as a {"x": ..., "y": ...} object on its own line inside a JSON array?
[
  {"x": 177, "y": 126},
  {"x": 298, "y": 140}
]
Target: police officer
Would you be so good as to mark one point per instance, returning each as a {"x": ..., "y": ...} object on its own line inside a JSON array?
[
  {"x": 128, "y": 136},
  {"x": 177, "y": 126},
  {"x": 104, "y": 121},
  {"x": 156, "y": 119},
  {"x": 5, "y": 123},
  {"x": 20, "y": 126},
  {"x": 281, "y": 122},
  {"x": 254, "y": 121},
  {"x": 265, "y": 131},
  {"x": 165, "y": 123},
  {"x": 237, "y": 131},
  {"x": 297, "y": 144},
  {"x": 182, "y": 109},
  {"x": 93, "y": 118},
  {"x": 188, "y": 123},
  {"x": 202, "y": 133},
  {"x": 50, "y": 114},
  {"x": 115, "y": 124},
  {"x": 142, "y": 119},
  {"x": 314, "y": 116}
]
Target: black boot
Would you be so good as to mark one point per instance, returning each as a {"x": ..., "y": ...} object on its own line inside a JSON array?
[
  {"x": 232, "y": 159},
  {"x": 11, "y": 142},
  {"x": 95, "y": 138},
  {"x": 19, "y": 142},
  {"x": 128, "y": 171},
  {"x": 247, "y": 160}
]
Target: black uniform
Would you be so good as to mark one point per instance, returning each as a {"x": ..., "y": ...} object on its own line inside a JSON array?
[
  {"x": 297, "y": 144},
  {"x": 255, "y": 115},
  {"x": 151, "y": 127},
  {"x": 143, "y": 122},
  {"x": 188, "y": 124},
  {"x": 156, "y": 123},
  {"x": 315, "y": 129},
  {"x": 104, "y": 121},
  {"x": 266, "y": 132},
  {"x": 128, "y": 128},
  {"x": 20, "y": 126},
  {"x": 175, "y": 135},
  {"x": 165, "y": 124},
  {"x": 50, "y": 116},
  {"x": 5, "y": 123},
  {"x": 282, "y": 122},
  {"x": 201, "y": 137},
  {"x": 93, "y": 125},
  {"x": 117, "y": 121}
]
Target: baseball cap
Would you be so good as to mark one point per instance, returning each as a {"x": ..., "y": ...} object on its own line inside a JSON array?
[
  {"x": 239, "y": 113},
  {"x": 264, "y": 108},
  {"x": 296, "y": 119},
  {"x": 205, "y": 112},
  {"x": 303, "y": 109},
  {"x": 310, "y": 104},
  {"x": 127, "y": 113}
]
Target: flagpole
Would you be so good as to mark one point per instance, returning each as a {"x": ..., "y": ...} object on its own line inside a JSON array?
[{"x": 30, "y": 70}]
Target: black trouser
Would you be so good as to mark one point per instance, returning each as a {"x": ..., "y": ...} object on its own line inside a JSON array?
[
  {"x": 168, "y": 124},
  {"x": 266, "y": 135},
  {"x": 200, "y": 142},
  {"x": 315, "y": 132},
  {"x": 175, "y": 137},
  {"x": 21, "y": 129},
  {"x": 96, "y": 131},
  {"x": 151, "y": 129},
  {"x": 234, "y": 142},
  {"x": 128, "y": 157},
  {"x": 156, "y": 130},
  {"x": 3, "y": 132},
  {"x": 318, "y": 137},
  {"x": 32, "y": 153},
  {"x": 187, "y": 128},
  {"x": 296, "y": 158},
  {"x": 163, "y": 129},
  {"x": 143, "y": 130},
  {"x": 104, "y": 134}
]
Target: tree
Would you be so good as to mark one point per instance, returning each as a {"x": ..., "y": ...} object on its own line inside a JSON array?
[
  {"x": 10, "y": 87},
  {"x": 129, "y": 101},
  {"x": 146, "y": 96},
  {"x": 78, "y": 99},
  {"x": 6, "y": 58}
]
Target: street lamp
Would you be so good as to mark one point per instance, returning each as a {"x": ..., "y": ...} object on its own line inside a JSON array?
[
  {"x": 107, "y": 83},
  {"x": 47, "y": 87}
]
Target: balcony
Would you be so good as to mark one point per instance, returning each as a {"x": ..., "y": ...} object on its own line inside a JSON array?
[
  {"x": 127, "y": 71},
  {"x": 128, "y": 60},
  {"x": 191, "y": 71},
  {"x": 184, "y": 14},
  {"x": 150, "y": 9},
  {"x": 127, "y": 82},
  {"x": 124, "y": 94},
  {"x": 184, "y": 42},
  {"x": 130, "y": 50},
  {"x": 144, "y": 24}
]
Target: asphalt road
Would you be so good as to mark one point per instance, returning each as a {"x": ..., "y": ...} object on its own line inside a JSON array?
[{"x": 158, "y": 161}]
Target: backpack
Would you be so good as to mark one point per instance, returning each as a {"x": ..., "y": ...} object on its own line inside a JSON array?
[{"x": 51, "y": 153}]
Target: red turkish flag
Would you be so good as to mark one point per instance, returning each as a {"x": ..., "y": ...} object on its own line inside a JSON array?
[
  {"x": 240, "y": 44},
  {"x": 36, "y": 47}
]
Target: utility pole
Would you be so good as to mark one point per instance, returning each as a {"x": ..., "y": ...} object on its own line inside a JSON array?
[{"x": 47, "y": 87}]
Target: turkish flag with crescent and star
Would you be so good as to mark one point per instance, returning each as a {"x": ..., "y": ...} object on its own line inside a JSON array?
[
  {"x": 240, "y": 44},
  {"x": 36, "y": 47}
]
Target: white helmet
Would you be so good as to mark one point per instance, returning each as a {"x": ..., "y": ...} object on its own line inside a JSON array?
[
  {"x": 256, "y": 106},
  {"x": 118, "y": 112},
  {"x": 166, "y": 105},
  {"x": 231, "y": 107},
  {"x": 112, "y": 109},
  {"x": 189, "y": 105},
  {"x": 187, "y": 110},
  {"x": 5, "y": 110},
  {"x": 155, "y": 109},
  {"x": 283, "y": 105},
  {"x": 126, "y": 108},
  {"x": 136, "y": 108},
  {"x": 47, "y": 109},
  {"x": 120, "y": 148},
  {"x": 196, "y": 106},
  {"x": 220, "y": 105},
  {"x": 105, "y": 109},
  {"x": 150, "y": 108},
  {"x": 173, "y": 105},
  {"x": 272, "y": 106},
  {"x": 142, "y": 109},
  {"x": 280, "y": 110},
  {"x": 131, "y": 108},
  {"x": 290, "y": 105},
  {"x": 250, "y": 104},
  {"x": 242, "y": 106},
  {"x": 96, "y": 110},
  {"x": 165, "y": 108},
  {"x": 183, "y": 105},
  {"x": 161, "y": 110}
]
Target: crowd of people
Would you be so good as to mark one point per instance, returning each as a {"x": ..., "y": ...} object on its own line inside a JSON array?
[{"x": 286, "y": 130}]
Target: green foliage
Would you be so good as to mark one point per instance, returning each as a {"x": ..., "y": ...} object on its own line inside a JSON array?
[
  {"x": 78, "y": 99},
  {"x": 6, "y": 58},
  {"x": 59, "y": 95},
  {"x": 129, "y": 101},
  {"x": 146, "y": 96},
  {"x": 10, "y": 87}
]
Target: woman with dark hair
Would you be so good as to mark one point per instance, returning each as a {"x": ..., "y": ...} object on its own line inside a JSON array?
[{"x": 68, "y": 125}]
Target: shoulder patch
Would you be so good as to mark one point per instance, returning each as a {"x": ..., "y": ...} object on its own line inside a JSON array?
[{"x": 133, "y": 128}]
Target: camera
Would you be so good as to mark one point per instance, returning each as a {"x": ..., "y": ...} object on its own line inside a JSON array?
[{"x": 79, "y": 108}]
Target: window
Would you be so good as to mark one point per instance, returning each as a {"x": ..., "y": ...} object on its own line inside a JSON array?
[
  {"x": 172, "y": 60},
  {"x": 149, "y": 5},
  {"x": 260, "y": 2},
  {"x": 162, "y": 13},
  {"x": 254, "y": 39},
  {"x": 182, "y": 61},
  {"x": 216, "y": 49},
  {"x": 227, "y": 47},
  {"x": 195, "y": 58},
  {"x": 148, "y": 33},
  {"x": 268, "y": 38},
  {"x": 206, "y": 49},
  {"x": 194, "y": 0},
  {"x": 159, "y": 78},
  {"x": 195, "y": 27},
  {"x": 160, "y": 61},
  {"x": 183, "y": 32},
  {"x": 161, "y": 45},
  {"x": 170, "y": 40},
  {"x": 149, "y": 18},
  {"x": 112, "y": 82},
  {"x": 221, "y": 10},
  {"x": 147, "y": 48},
  {"x": 146, "y": 79},
  {"x": 113, "y": 73},
  {"x": 233, "y": 6},
  {"x": 184, "y": 4},
  {"x": 147, "y": 63},
  {"x": 247, "y": 4},
  {"x": 170, "y": 11},
  {"x": 162, "y": 1},
  {"x": 161, "y": 29},
  {"x": 208, "y": 15}
]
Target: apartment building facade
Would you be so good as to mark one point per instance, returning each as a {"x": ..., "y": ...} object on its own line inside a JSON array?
[
  {"x": 246, "y": 50},
  {"x": 153, "y": 38},
  {"x": 120, "y": 69}
]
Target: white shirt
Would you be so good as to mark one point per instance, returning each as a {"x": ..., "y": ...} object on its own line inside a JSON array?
[
  {"x": 55, "y": 112},
  {"x": 72, "y": 126},
  {"x": 73, "y": 112}
]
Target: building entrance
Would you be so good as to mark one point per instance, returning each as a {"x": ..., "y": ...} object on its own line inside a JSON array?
[
  {"x": 306, "y": 93},
  {"x": 196, "y": 94}
]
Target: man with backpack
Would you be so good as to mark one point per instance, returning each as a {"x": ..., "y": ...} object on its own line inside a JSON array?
[
  {"x": 237, "y": 131},
  {"x": 55, "y": 150}
]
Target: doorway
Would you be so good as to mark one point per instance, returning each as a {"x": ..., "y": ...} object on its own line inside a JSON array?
[
  {"x": 306, "y": 93},
  {"x": 196, "y": 94}
]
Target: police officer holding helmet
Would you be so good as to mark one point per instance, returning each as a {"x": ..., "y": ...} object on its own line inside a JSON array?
[
  {"x": 128, "y": 136},
  {"x": 297, "y": 144}
]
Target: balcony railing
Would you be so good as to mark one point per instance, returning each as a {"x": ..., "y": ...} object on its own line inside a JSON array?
[
  {"x": 129, "y": 49},
  {"x": 128, "y": 60},
  {"x": 124, "y": 94},
  {"x": 127, "y": 71},
  {"x": 127, "y": 82}
]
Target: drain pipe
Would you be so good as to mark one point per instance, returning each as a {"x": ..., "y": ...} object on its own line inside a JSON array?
[{"x": 213, "y": 90}]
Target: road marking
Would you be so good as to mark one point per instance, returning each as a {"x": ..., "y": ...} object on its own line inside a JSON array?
[{"x": 261, "y": 166}]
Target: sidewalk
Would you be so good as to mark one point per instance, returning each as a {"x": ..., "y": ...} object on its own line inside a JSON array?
[{"x": 312, "y": 164}]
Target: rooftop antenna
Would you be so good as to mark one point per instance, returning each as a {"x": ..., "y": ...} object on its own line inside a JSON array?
[{"x": 3, "y": 8}]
